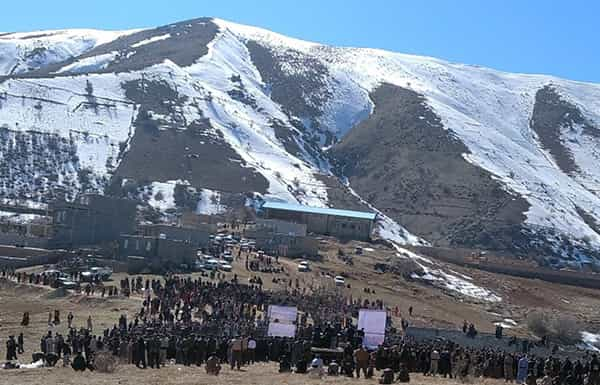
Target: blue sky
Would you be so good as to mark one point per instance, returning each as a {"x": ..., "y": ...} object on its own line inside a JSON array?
[{"x": 561, "y": 38}]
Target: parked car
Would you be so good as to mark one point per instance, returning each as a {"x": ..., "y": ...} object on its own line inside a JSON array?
[
  {"x": 339, "y": 281},
  {"x": 211, "y": 264},
  {"x": 224, "y": 265},
  {"x": 51, "y": 272},
  {"x": 199, "y": 266},
  {"x": 96, "y": 274},
  {"x": 303, "y": 267},
  {"x": 67, "y": 283},
  {"x": 103, "y": 272}
]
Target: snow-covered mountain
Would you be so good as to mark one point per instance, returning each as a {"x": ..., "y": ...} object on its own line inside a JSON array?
[{"x": 449, "y": 154}]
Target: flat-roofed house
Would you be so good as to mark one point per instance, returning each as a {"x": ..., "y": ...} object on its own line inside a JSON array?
[{"x": 343, "y": 224}]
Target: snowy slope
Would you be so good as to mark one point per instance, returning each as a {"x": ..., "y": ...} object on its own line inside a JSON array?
[
  {"x": 488, "y": 110},
  {"x": 23, "y": 52}
]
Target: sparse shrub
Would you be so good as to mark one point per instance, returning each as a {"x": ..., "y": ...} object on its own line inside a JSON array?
[
  {"x": 566, "y": 330},
  {"x": 537, "y": 323}
]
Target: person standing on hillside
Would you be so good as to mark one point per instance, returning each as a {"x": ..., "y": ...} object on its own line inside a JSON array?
[
  {"x": 20, "y": 344},
  {"x": 25, "y": 321},
  {"x": 11, "y": 349},
  {"x": 70, "y": 320}
]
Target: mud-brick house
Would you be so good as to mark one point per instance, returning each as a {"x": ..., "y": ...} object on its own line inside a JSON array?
[{"x": 92, "y": 219}]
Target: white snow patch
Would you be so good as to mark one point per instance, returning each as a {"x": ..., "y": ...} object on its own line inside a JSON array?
[
  {"x": 18, "y": 218},
  {"x": 439, "y": 278},
  {"x": 210, "y": 203},
  {"x": 162, "y": 195},
  {"x": 151, "y": 40},
  {"x": 453, "y": 283},
  {"x": 591, "y": 341},
  {"x": 90, "y": 64},
  {"x": 507, "y": 323},
  {"x": 504, "y": 325}
]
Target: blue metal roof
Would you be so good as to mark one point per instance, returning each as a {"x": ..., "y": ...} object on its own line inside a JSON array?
[{"x": 319, "y": 210}]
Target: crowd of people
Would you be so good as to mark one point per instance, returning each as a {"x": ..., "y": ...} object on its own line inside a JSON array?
[{"x": 199, "y": 321}]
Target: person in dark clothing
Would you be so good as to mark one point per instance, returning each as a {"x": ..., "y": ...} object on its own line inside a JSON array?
[
  {"x": 444, "y": 365},
  {"x": 594, "y": 371},
  {"x": 403, "y": 375},
  {"x": 140, "y": 354},
  {"x": 153, "y": 348},
  {"x": 11, "y": 349},
  {"x": 387, "y": 377},
  {"x": 20, "y": 344},
  {"x": 25, "y": 321},
  {"x": 79, "y": 363},
  {"x": 285, "y": 365},
  {"x": 301, "y": 366}
]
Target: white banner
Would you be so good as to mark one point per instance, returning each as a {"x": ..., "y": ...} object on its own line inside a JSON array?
[
  {"x": 282, "y": 321},
  {"x": 281, "y": 330},
  {"x": 372, "y": 322}
]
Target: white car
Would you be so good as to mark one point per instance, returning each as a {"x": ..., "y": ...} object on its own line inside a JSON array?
[
  {"x": 225, "y": 266},
  {"x": 339, "y": 281},
  {"x": 103, "y": 273},
  {"x": 211, "y": 264},
  {"x": 303, "y": 267},
  {"x": 52, "y": 272},
  {"x": 66, "y": 283}
]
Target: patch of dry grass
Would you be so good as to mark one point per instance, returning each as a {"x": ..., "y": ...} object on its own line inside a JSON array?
[{"x": 260, "y": 374}]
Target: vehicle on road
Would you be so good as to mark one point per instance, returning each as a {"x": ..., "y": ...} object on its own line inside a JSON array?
[
  {"x": 303, "y": 267},
  {"x": 67, "y": 283},
  {"x": 225, "y": 266},
  {"x": 96, "y": 274},
  {"x": 211, "y": 264},
  {"x": 339, "y": 281}
]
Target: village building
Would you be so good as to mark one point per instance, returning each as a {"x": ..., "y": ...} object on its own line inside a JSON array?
[
  {"x": 282, "y": 227},
  {"x": 342, "y": 224},
  {"x": 197, "y": 236},
  {"x": 91, "y": 220},
  {"x": 284, "y": 245},
  {"x": 156, "y": 251}
]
